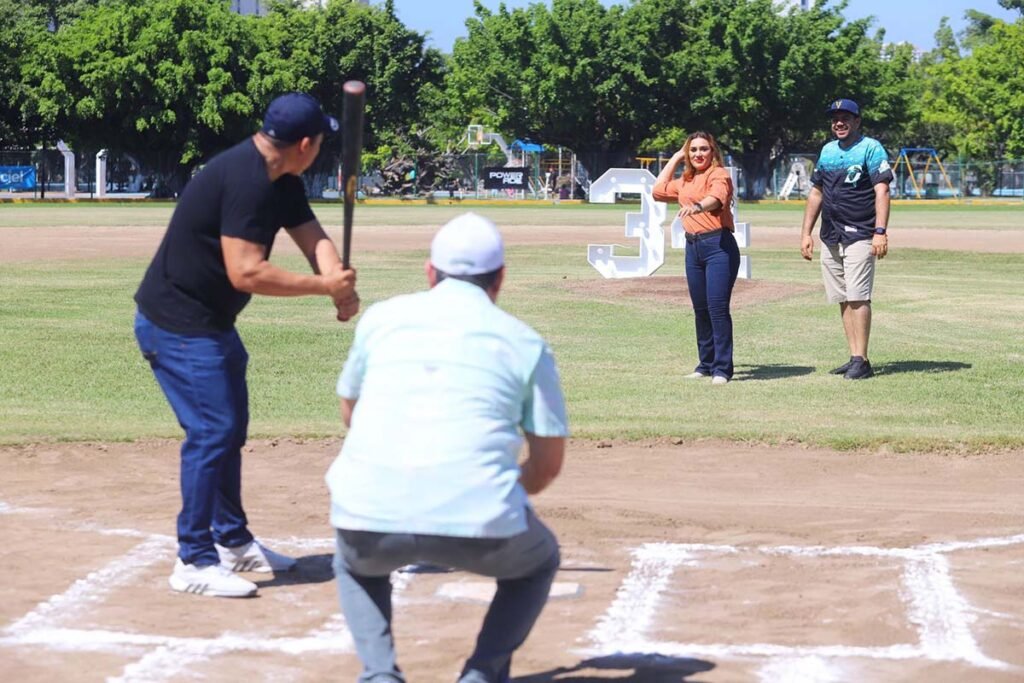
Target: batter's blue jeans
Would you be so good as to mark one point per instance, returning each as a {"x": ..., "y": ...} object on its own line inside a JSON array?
[
  {"x": 712, "y": 264},
  {"x": 203, "y": 378},
  {"x": 524, "y": 565}
]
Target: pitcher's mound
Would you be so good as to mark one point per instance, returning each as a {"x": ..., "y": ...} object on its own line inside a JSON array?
[{"x": 673, "y": 289}]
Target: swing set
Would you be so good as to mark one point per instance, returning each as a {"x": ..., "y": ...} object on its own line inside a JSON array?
[{"x": 918, "y": 162}]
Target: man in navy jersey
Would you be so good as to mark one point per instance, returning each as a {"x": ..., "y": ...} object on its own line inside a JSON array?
[
  {"x": 850, "y": 190},
  {"x": 213, "y": 258}
]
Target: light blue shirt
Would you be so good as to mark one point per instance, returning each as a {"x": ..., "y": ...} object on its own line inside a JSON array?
[{"x": 445, "y": 382}]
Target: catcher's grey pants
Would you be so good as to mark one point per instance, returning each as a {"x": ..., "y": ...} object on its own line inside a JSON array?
[{"x": 524, "y": 566}]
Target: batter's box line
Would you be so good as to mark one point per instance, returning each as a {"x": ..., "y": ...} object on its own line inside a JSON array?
[
  {"x": 941, "y": 615},
  {"x": 160, "y": 657}
]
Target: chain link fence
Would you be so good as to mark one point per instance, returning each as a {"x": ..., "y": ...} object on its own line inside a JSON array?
[
  {"x": 550, "y": 175},
  {"x": 916, "y": 178}
]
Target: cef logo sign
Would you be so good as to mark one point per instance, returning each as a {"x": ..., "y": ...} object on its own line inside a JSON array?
[{"x": 17, "y": 178}]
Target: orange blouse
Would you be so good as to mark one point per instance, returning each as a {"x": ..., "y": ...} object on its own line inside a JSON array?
[{"x": 714, "y": 182}]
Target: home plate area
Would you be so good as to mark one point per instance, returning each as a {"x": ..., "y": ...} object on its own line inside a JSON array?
[{"x": 861, "y": 607}]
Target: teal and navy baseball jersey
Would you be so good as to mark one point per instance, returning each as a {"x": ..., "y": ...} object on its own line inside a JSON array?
[{"x": 847, "y": 179}]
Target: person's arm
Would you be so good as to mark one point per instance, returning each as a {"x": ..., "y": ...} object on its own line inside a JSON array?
[
  {"x": 348, "y": 405},
  {"x": 323, "y": 257},
  {"x": 811, "y": 213},
  {"x": 543, "y": 462},
  {"x": 316, "y": 246},
  {"x": 249, "y": 271},
  {"x": 880, "y": 243},
  {"x": 665, "y": 188},
  {"x": 719, "y": 192}
]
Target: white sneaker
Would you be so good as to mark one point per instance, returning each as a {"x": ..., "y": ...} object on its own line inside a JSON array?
[
  {"x": 213, "y": 580},
  {"x": 719, "y": 379},
  {"x": 696, "y": 374},
  {"x": 254, "y": 557}
]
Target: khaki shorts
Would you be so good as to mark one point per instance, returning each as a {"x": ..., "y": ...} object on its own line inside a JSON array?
[{"x": 848, "y": 271}]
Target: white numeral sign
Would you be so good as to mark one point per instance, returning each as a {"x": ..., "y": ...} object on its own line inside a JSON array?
[{"x": 647, "y": 226}]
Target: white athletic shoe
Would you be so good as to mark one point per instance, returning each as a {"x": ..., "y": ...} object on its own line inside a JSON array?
[
  {"x": 696, "y": 374},
  {"x": 213, "y": 580},
  {"x": 719, "y": 379},
  {"x": 254, "y": 557}
]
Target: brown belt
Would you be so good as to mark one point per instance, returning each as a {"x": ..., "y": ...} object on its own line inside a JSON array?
[{"x": 692, "y": 237}]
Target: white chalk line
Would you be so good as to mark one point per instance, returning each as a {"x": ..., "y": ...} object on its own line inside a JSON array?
[
  {"x": 636, "y": 601},
  {"x": 804, "y": 669},
  {"x": 181, "y": 655},
  {"x": 161, "y": 657},
  {"x": 938, "y": 611},
  {"x": 89, "y": 591},
  {"x": 941, "y": 614}
]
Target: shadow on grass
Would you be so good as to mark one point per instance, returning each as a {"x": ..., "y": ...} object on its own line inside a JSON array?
[
  {"x": 748, "y": 373},
  {"x": 922, "y": 366},
  {"x": 636, "y": 669}
]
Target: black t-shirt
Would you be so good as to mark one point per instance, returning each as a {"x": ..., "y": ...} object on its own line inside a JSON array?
[{"x": 186, "y": 288}]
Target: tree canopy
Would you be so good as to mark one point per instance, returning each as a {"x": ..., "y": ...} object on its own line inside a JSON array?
[{"x": 174, "y": 81}]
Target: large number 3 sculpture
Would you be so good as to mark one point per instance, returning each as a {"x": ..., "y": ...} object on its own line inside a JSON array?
[{"x": 645, "y": 225}]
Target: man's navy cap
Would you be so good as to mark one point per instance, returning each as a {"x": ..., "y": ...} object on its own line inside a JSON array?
[
  {"x": 296, "y": 115},
  {"x": 844, "y": 105}
]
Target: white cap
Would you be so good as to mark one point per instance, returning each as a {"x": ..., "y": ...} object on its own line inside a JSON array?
[{"x": 467, "y": 245}]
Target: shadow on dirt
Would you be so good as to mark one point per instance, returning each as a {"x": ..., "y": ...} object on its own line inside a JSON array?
[{"x": 639, "y": 668}]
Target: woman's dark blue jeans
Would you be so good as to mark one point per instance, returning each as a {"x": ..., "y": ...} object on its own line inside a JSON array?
[{"x": 712, "y": 263}]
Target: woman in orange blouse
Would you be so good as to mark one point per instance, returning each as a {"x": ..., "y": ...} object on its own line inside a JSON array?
[{"x": 705, "y": 194}]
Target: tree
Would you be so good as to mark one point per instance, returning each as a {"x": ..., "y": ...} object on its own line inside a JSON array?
[
  {"x": 770, "y": 75},
  {"x": 982, "y": 95},
  {"x": 19, "y": 24},
  {"x": 605, "y": 81},
  {"x": 1013, "y": 4},
  {"x": 318, "y": 50},
  {"x": 163, "y": 80},
  {"x": 554, "y": 75}
]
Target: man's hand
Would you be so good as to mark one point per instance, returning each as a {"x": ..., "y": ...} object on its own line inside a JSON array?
[
  {"x": 880, "y": 245},
  {"x": 341, "y": 283},
  {"x": 807, "y": 247},
  {"x": 347, "y": 307}
]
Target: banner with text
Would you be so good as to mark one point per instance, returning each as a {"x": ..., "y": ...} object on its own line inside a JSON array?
[
  {"x": 498, "y": 178},
  {"x": 20, "y": 178}
]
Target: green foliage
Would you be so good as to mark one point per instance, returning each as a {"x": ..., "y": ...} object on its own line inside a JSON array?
[
  {"x": 22, "y": 30},
  {"x": 561, "y": 76},
  {"x": 161, "y": 79},
  {"x": 1013, "y": 4},
  {"x": 174, "y": 81},
  {"x": 981, "y": 96}
]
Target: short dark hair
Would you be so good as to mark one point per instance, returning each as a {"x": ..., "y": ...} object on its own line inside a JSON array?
[{"x": 484, "y": 281}]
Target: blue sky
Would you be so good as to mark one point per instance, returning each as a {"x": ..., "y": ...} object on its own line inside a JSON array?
[{"x": 914, "y": 21}]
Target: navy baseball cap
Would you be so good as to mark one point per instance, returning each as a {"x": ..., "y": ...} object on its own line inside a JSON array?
[
  {"x": 297, "y": 115},
  {"x": 844, "y": 105}
]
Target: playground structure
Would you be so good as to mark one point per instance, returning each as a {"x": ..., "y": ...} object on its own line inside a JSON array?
[
  {"x": 914, "y": 164},
  {"x": 562, "y": 173},
  {"x": 799, "y": 180}
]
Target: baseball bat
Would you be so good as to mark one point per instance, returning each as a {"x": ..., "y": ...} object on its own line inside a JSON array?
[{"x": 353, "y": 104}]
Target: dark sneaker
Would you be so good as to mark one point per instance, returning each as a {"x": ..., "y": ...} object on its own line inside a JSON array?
[
  {"x": 841, "y": 370},
  {"x": 860, "y": 368}
]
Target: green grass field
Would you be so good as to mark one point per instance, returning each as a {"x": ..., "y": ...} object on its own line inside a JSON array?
[{"x": 946, "y": 341}]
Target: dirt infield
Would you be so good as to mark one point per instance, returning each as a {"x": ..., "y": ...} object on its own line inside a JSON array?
[
  {"x": 698, "y": 562},
  {"x": 733, "y": 563},
  {"x": 69, "y": 242}
]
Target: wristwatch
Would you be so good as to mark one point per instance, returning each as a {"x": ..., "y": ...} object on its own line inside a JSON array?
[
  {"x": 880, "y": 231},
  {"x": 699, "y": 207}
]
